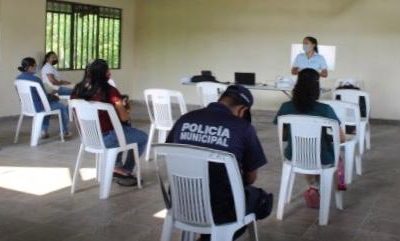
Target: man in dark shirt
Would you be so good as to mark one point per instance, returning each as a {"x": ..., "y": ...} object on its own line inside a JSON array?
[{"x": 226, "y": 126}]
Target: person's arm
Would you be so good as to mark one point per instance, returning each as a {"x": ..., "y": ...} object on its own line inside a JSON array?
[
  {"x": 342, "y": 136},
  {"x": 122, "y": 112},
  {"x": 295, "y": 67},
  {"x": 253, "y": 157},
  {"x": 295, "y": 70},
  {"x": 250, "y": 177},
  {"x": 54, "y": 81},
  {"x": 324, "y": 73},
  {"x": 324, "y": 68}
]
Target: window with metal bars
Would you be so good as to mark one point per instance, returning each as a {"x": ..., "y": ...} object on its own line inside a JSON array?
[{"x": 80, "y": 33}]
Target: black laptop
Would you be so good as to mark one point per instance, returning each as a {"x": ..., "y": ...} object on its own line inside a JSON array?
[{"x": 245, "y": 78}]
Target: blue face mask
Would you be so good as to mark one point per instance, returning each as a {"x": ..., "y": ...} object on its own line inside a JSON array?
[{"x": 307, "y": 48}]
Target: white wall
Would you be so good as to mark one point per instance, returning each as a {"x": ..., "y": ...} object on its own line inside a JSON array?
[
  {"x": 165, "y": 40},
  {"x": 22, "y": 34},
  {"x": 179, "y": 37}
]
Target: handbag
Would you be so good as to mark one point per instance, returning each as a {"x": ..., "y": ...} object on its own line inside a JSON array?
[{"x": 341, "y": 183}]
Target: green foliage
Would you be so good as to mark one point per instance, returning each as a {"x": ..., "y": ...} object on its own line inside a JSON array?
[{"x": 80, "y": 38}]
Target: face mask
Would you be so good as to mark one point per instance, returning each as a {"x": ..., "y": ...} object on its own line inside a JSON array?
[
  {"x": 307, "y": 48},
  {"x": 54, "y": 62}
]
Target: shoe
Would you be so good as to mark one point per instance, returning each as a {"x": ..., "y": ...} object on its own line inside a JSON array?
[
  {"x": 121, "y": 176},
  {"x": 128, "y": 182},
  {"x": 311, "y": 196},
  {"x": 44, "y": 135},
  {"x": 67, "y": 135}
]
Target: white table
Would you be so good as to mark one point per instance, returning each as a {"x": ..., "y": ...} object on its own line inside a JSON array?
[{"x": 269, "y": 87}]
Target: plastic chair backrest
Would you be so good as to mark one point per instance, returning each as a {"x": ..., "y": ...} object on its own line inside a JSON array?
[
  {"x": 306, "y": 132},
  {"x": 24, "y": 90},
  {"x": 348, "y": 113},
  {"x": 353, "y": 96},
  {"x": 187, "y": 168},
  {"x": 87, "y": 117},
  {"x": 158, "y": 103},
  {"x": 349, "y": 81},
  {"x": 209, "y": 92}
]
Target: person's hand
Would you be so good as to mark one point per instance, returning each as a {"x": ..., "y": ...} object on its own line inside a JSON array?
[{"x": 64, "y": 82}]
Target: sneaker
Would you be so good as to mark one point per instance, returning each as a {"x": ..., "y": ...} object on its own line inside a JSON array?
[
  {"x": 67, "y": 135},
  {"x": 311, "y": 196}
]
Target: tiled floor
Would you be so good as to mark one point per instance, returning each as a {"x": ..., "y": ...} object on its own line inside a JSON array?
[{"x": 43, "y": 208}]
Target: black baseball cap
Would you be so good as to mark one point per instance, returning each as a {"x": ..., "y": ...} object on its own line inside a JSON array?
[{"x": 244, "y": 95}]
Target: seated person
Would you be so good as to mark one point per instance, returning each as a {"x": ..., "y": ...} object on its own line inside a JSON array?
[
  {"x": 305, "y": 102},
  {"x": 52, "y": 77},
  {"x": 28, "y": 70},
  {"x": 231, "y": 114},
  {"x": 95, "y": 87}
]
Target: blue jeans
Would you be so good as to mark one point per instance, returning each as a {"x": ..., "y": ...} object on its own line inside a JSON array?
[
  {"x": 64, "y": 91},
  {"x": 132, "y": 135},
  {"x": 56, "y": 105}
]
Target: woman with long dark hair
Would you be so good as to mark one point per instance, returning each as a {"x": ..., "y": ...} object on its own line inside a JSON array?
[
  {"x": 52, "y": 77},
  {"x": 28, "y": 69},
  {"x": 95, "y": 87},
  {"x": 305, "y": 102},
  {"x": 310, "y": 58}
]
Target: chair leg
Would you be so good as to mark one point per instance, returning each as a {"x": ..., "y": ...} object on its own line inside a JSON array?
[
  {"x": 36, "y": 129},
  {"x": 168, "y": 227},
  {"x": 21, "y": 117},
  {"x": 162, "y": 136},
  {"x": 286, "y": 170},
  {"x": 363, "y": 128},
  {"x": 368, "y": 136},
  {"x": 138, "y": 167},
  {"x": 99, "y": 158},
  {"x": 61, "y": 126},
  {"x": 349, "y": 152},
  {"x": 149, "y": 141},
  {"x": 325, "y": 195},
  {"x": 339, "y": 199},
  {"x": 188, "y": 236},
  {"x": 70, "y": 115},
  {"x": 358, "y": 165},
  {"x": 292, "y": 177},
  {"x": 77, "y": 167},
  {"x": 107, "y": 169},
  {"x": 253, "y": 231},
  {"x": 222, "y": 234}
]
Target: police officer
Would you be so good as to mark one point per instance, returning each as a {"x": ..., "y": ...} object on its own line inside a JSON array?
[{"x": 226, "y": 125}]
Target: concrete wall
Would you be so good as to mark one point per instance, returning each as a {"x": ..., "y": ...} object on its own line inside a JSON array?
[
  {"x": 22, "y": 33},
  {"x": 180, "y": 37}
]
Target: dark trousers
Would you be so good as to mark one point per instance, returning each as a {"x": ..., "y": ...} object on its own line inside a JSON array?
[{"x": 252, "y": 199}]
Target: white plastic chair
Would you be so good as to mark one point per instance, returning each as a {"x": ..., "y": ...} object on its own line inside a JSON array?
[
  {"x": 187, "y": 170},
  {"x": 349, "y": 81},
  {"x": 353, "y": 96},
  {"x": 159, "y": 107},
  {"x": 306, "y": 159},
  {"x": 209, "y": 92},
  {"x": 67, "y": 98},
  {"x": 88, "y": 125},
  {"x": 24, "y": 88},
  {"x": 349, "y": 114}
]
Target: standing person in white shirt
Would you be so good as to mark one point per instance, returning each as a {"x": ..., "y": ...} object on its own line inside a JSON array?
[
  {"x": 310, "y": 58},
  {"x": 52, "y": 77}
]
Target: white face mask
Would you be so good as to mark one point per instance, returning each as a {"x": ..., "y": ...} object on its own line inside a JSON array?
[{"x": 307, "y": 48}]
